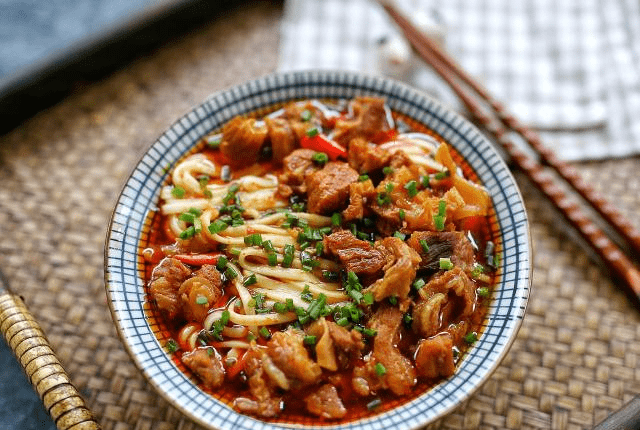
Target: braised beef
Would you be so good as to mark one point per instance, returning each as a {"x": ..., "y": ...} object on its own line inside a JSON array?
[
  {"x": 206, "y": 363},
  {"x": 400, "y": 375},
  {"x": 164, "y": 285},
  {"x": 451, "y": 244},
  {"x": 198, "y": 295},
  {"x": 399, "y": 270},
  {"x": 328, "y": 189},
  {"x": 358, "y": 256},
  {"x": 242, "y": 139},
  {"x": 264, "y": 402},
  {"x": 288, "y": 353},
  {"x": 434, "y": 357},
  {"x": 369, "y": 122},
  {"x": 326, "y": 403},
  {"x": 360, "y": 196},
  {"x": 283, "y": 138},
  {"x": 367, "y": 157},
  {"x": 296, "y": 167}
]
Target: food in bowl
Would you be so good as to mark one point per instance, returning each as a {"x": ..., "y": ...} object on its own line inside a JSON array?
[{"x": 325, "y": 259}]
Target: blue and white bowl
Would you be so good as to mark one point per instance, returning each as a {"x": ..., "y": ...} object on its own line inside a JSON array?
[{"x": 142, "y": 334}]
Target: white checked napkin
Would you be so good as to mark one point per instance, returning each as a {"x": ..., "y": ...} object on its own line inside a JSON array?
[{"x": 569, "y": 69}]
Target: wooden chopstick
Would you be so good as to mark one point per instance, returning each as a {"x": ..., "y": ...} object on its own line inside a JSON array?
[{"x": 499, "y": 124}]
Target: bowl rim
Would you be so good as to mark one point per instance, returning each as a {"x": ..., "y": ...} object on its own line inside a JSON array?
[{"x": 316, "y": 78}]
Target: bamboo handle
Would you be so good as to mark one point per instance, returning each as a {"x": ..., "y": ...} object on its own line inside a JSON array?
[{"x": 30, "y": 346}]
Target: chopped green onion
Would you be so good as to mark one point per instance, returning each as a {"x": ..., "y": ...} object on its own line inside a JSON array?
[
  {"x": 411, "y": 188},
  {"x": 290, "y": 305},
  {"x": 305, "y": 115},
  {"x": 188, "y": 233},
  {"x": 187, "y": 217},
  {"x": 217, "y": 226},
  {"x": 178, "y": 192},
  {"x": 424, "y": 245},
  {"x": 363, "y": 177},
  {"x": 438, "y": 222},
  {"x": 419, "y": 283},
  {"x": 250, "y": 280},
  {"x": 389, "y": 187},
  {"x": 312, "y": 132},
  {"x": 367, "y": 299},
  {"x": 482, "y": 292},
  {"x": 319, "y": 248},
  {"x": 407, "y": 318},
  {"x": 251, "y": 337},
  {"x": 272, "y": 259},
  {"x": 309, "y": 340},
  {"x": 369, "y": 332},
  {"x": 373, "y": 404},
  {"x": 214, "y": 144},
  {"x": 442, "y": 208},
  {"x": 471, "y": 337},
  {"x": 441, "y": 175},
  {"x": 401, "y": 214},
  {"x": 399, "y": 235},
  {"x": 383, "y": 199},
  {"x": 387, "y": 170},
  {"x": 336, "y": 219},
  {"x": 320, "y": 158},
  {"x": 224, "y": 318},
  {"x": 306, "y": 294},
  {"x": 222, "y": 263},
  {"x": 393, "y": 300},
  {"x": 268, "y": 246},
  {"x": 202, "y": 300},
  {"x": 380, "y": 369},
  {"x": 342, "y": 321},
  {"x": 230, "y": 273},
  {"x": 445, "y": 263},
  {"x": 280, "y": 307},
  {"x": 477, "y": 270},
  {"x": 172, "y": 346},
  {"x": 265, "y": 333}
]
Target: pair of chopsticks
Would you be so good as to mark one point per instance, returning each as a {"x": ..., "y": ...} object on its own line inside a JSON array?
[{"x": 499, "y": 123}]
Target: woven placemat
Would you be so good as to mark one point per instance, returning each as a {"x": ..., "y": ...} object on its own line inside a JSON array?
[{"x": 575, "y": 359}]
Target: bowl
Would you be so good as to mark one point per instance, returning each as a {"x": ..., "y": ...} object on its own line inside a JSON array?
[{"x": 142, "y": 334}]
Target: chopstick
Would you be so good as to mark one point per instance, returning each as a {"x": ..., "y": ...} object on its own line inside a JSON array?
[{"x": 499, "y": 124}]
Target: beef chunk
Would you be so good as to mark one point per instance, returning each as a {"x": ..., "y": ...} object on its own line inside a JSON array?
[
  {"x": 434, "y": 357},
  {"x": 369, "y": 122},
  {"x": 286, "y": 349},
  {"x": 356, "y": 255},
  {"x": 296, "y": 167},
  {"x": 399, "y": 270},
  {"x": 400, "y": 374},
  {"x": 328, "y": 188},
  {"x": 460, "y": 293},
  {"x": 164, "y": 285},
  {"x": 360, "y": 194},
  {"x": 326, "y": 403},
  {"x": 283, "y": 138},
  {"x": 264, "y": 402},
  {"x": 198, "y": 295},
  {"x": 367, "y": 157},
  {"x": 336, "y": 347},
  {"x": 443, "y": 245},
  {"x": 242, "y": 139},
  {"x": 207, "y": 364}
]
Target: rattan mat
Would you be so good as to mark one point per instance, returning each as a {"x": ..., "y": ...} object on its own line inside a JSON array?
[{"x": 575, "y": 359}]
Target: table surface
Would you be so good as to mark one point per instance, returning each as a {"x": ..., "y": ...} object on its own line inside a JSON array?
[{"x": 575, "y": 359}]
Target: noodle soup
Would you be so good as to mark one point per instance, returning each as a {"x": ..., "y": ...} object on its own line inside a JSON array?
[{"x": 332, "y": 260}]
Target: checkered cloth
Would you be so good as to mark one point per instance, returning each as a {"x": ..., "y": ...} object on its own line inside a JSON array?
[{"x": 570, "y": 69}]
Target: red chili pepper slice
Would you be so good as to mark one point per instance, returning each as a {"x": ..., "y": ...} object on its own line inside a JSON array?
[
  {"x": 197, "y": 259},
  {"x": 321, "y": 143}
]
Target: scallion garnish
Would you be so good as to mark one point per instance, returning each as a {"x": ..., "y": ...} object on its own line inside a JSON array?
[
  {"x": 387, "y": 170},
  {"x": 445, "y": 263},
  {"x": 320, "y": 158},
  {"x": 471, "y": 337},
  {"x": 230, "y": 273},
  {"x": 172, "y": 346},
  {"x": 419, "y": 283},
  {"x": 309, "y": 340},
  {"x": 188, "y": 233},
  {"x": 265, "y": 333},
  {"x": 399, "y": 235},
  {"x": 313, "y": 131},
  {"x": 178, "y": 192},
  {"x": 222, "y": 263},
  {"x": 380, "y": 369},
  {"x": 202, "y": 300},
  {"x": 363, "y": 177},
  {"x": 373, "y": 404},
  {"x": 424, "y": 245},
  {"x": 482, "y": 292},
  {"x": 250, "y": 280},
  {"x": 412, "y": 188},
  {"x": 336, "y": 219},
  {"x": 305, "y": 115}
]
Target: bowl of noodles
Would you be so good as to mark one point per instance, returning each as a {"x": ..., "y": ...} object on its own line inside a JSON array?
[{"x": 318, "y": 249}]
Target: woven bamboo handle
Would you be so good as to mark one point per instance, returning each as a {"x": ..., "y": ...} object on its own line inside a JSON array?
[{"x": 49, "y": 379}]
